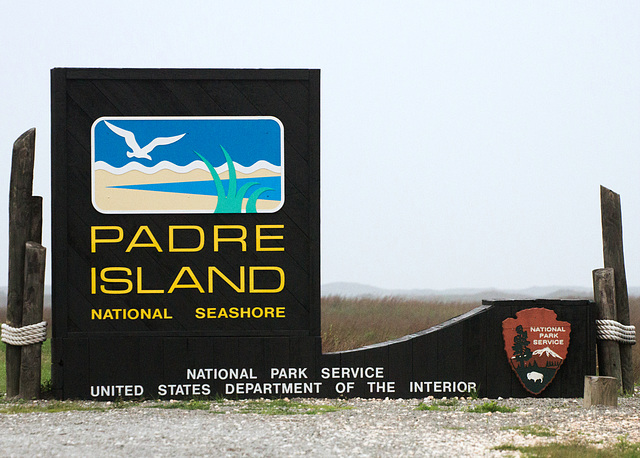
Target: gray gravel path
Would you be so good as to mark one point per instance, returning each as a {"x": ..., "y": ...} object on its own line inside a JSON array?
[{"x": 368, "y": 428}]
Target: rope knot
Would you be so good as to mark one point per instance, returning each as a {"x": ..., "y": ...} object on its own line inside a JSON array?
[
  {"x": 612, "y": 330},
  {"x": 25, "y": 335}
]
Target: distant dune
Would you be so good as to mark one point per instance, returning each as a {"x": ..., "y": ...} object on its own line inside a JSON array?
[{"x": 346, "y": 289}]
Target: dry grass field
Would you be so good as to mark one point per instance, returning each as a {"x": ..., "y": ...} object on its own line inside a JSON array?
[{"x": 351, "y": 323}]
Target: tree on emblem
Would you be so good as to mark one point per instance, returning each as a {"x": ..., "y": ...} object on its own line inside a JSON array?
[{"x": 521, "y": 351}]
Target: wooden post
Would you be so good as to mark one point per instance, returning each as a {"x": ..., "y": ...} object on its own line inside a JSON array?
[
  {"x": 35, "y": 230},
  {"x": 605, "y": 298},
  {"x": 614, "y": 257},
  {"x": 600, "y": 391},
  {"x": 20, "y": 227},
  {"x": 32, "y": 314}
]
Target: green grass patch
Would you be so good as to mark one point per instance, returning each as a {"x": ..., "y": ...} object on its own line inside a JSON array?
[
  {"x": 3, "y": 370},
  {"x": 285, "y": 407},
  {"x": 447, "y": 404},
  {"x": 491, "y": 407},
  {"x": 45, "y": 371},
  {"x": 50, "y": 406},
  {"x": 531, "y": 430},
  {"x": 622, "y": 449},
  {"x": 425, "y": 406}
]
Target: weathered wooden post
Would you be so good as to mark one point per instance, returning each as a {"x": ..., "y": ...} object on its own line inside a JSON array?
[
  {"x": 24, "y": 331},
  {"x": 611, "y": 215},
  {"x": 601, "y": 391},
  {"x": 32, "y": 312},
  {"x": 605, "y": 299},
  {"x": 20, "y": 193}
]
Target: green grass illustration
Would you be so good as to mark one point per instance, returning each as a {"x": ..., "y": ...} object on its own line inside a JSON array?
[{"x": 231, "y": 202}]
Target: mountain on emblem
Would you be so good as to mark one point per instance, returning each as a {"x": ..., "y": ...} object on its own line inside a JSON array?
[
  {"x": 536, "y": 344},
  {"x": 546, "y": 351}
]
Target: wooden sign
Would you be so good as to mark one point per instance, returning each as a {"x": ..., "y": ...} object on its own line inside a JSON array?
[
  {"x": 185, "y": 206},
  {"x": 186, "y": 254}
]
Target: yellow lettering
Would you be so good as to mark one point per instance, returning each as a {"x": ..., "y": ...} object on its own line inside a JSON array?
[
  {"x": 253, "y": 269},
  {"x": 145, "y": 291},
  {"x": 241, "y": 240},
  {"x": 93, "y": 280},
  {"x": 172, "y": 248},
  {"x": 107, "y": 315},
  {"x": 152, "y": 240},
  {"x": 260, "y": 237},
  {"x": 156, "y": 314},
  {"x": 240, "y": 312},
  {"x": 145, "y": 314},
  {"x": 176, "y": 283},
  {"x": 239, "y": 289},
  {"x": 95, "y": 240},
  {"x": 104, "y": 278},
  {"x": 166, "y": 315},
  {"x": 96, "y": 314}
]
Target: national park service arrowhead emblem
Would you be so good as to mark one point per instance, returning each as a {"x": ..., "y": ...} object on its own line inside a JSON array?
[{"x": 536, "y": 344}]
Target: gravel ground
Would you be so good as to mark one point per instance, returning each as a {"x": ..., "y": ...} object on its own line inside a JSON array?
[{"x": 366, "y": 428}]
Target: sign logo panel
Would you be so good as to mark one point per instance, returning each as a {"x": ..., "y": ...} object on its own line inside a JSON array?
[
  {"x": 187, "y": 164},
  {"x": 536, "y": 344}
]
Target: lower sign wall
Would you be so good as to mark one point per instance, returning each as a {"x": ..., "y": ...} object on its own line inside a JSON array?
[{"x": 464, "y": 354}]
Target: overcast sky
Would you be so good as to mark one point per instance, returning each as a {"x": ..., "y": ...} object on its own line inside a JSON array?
[{"x": 463, "y": 143}]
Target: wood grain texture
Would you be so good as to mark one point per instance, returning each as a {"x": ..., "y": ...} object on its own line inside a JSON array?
[
  {"x": 611, "y": 214},
  {"x": 604, "y": 296},
  {"x": 600, "y": 391},
  {"x": 21, "y": 188},
  {"x": 32, "y": 313}
]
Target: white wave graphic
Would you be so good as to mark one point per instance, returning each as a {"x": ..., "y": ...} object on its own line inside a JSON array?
[{"x": 195, "y": 165}]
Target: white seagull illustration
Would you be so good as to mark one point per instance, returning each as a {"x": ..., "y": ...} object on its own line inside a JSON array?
[{"x": 142, "y": 153}]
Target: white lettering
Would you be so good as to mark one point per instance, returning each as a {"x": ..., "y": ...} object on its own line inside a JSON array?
[
  {"x": 441, "y": 387},
  {"x": 273, "y": 388},
  {"x": 116, "y": 391},
  {"x": 352, "y": 372}
]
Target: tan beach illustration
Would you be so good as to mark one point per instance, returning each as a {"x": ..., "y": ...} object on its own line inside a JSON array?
[{"x": 110, "y": 198}]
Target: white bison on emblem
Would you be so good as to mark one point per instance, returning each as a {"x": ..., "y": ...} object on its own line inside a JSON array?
[{"x": 535, "y": 376}]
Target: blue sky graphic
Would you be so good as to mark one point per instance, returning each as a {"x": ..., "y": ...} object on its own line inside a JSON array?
[{"x": 246, "y": 140}]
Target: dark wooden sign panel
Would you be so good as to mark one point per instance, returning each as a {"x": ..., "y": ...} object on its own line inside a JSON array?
[
  {"x": 186, "y": 256},
  {"x": 185, "y": 204}
]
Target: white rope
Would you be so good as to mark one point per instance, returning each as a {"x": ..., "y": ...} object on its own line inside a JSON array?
[
  {"x": 612, "y": 330},
  {"x": 25, "y": 335}
]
